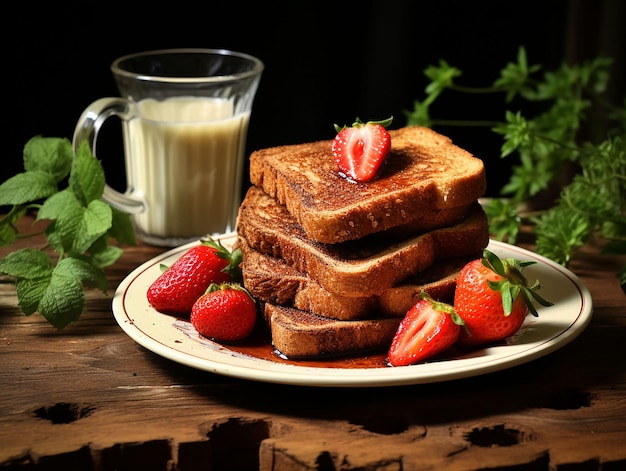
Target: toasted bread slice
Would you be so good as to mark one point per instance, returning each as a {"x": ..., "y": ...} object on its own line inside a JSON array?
[
  {"x": 361, "y": 268},
  {"x": 300, "y": 334},
  {"x": 426, "y": 179},
  {"x": 272, "y": 280}
]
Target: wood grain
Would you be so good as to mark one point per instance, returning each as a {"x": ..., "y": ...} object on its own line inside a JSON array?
[{"x": 90, "y": 398}]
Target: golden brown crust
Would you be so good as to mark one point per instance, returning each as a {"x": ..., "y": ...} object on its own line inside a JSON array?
[
  {"x": 360, "y": 268},
  {"x": 300, "y": 334},
  {"x": 272, "y": 280},
  {"x": 423, "y": 177},
  {"x": 316, "y": 243}
]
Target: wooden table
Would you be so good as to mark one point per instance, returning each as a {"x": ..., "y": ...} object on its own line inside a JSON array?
[{"x": 90, "y": 398}]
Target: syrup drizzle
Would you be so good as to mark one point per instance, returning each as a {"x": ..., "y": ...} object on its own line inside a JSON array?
[{"x": 258, "y": 345}]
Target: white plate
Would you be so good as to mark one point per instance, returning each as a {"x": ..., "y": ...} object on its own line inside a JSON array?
[{"x": 177, "y": 340}]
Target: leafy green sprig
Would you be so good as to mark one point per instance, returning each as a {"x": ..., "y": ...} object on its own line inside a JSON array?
[
  {"x": 65, "y": 190},
  {"x": 563, "y": 135}
]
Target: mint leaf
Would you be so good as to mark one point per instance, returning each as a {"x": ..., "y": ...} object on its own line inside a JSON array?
[
  {"x": 27, "y": 187},
  {"x": 80, "y": 228},
  {"x": 87, "y": 176},
  {"x": 8, "y": 231},
  {"x": 30, "y": 292},
  {"x": 26, "y": 263},
  {"x": 56, "y": 293},
  {"x": 75, "y": 227},
  {"x": 106, "y": 256},
  {"x": 67, "y": 213},
  {"x": 57, "y": 205},
  {"x": 122, "y": 228},
  {"x": 81, "y": 268},
  {"x": 32, "y": 270},
  {"x": 63, "y": 301},
  {"x": 49, "y": 155},
  {"x": 95, "y": 221}
]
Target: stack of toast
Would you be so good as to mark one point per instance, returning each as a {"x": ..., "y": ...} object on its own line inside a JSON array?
[{"x": 337, "y": 264}]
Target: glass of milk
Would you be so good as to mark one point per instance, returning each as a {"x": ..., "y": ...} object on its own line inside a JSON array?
[{"x": 184, "y": 115}]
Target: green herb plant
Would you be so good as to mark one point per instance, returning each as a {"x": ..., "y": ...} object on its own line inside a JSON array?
[
  {"x": 559, "y": 134},
  {"x": 65, "y": 190}
]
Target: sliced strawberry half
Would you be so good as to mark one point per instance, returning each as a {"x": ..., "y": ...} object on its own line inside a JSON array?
[
  {"x": 361, "y": 149},
  {"x": 429, "y": 327}
]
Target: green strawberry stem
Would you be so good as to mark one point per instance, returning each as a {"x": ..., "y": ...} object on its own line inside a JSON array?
[
  {"x": 225, "y": 286},
  {"x": 513, "y": 283},
  {"x": 443, "y": 307},
  {"x": 234, "y": 258},
  {"x": 358, "y": 122}
]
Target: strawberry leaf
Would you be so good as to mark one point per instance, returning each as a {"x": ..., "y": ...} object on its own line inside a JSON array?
[
  {"x": 493, "y": 262},
  {"x": 507, "y": 298},
  {"x": 234, "y": 258},
  {"x": 532, "y": 291},
  {"x": 513, "y": 282}
]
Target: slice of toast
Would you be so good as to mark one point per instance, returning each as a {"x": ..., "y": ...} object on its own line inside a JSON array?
[
  {"x": 426, "y": 179},
  {"x": 272, "y": 280},
  {"x": 360, "y": 268},
  {"x": 300, "y": 334}
]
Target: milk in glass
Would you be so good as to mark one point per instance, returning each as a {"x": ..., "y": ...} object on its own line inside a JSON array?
[{"x": 186, "y": 163}]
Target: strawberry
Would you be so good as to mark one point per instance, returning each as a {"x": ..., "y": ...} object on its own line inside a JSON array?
[
  {"x": 361, "y": 149},
  {"x": 493, "y": 298},
  {"x": 225, "y": 313},
  {"x": 428, "y": 328},
  {"x": 179, "y": 286}
]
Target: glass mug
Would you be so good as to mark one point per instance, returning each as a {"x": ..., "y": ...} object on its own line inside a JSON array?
[{"x": 184, "y": 115}]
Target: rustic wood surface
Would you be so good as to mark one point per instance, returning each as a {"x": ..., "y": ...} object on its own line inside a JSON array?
[{"x": 90, "y": 398}]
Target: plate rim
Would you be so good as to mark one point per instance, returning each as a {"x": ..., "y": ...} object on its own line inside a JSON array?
[{"x": 303, "y": 375}]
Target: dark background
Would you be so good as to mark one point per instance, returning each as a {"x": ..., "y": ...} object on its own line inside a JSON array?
[{"x": 326, "y": 62}]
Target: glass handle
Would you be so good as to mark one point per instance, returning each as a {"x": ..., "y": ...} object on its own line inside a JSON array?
[{"x": 87, "y": 129}]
